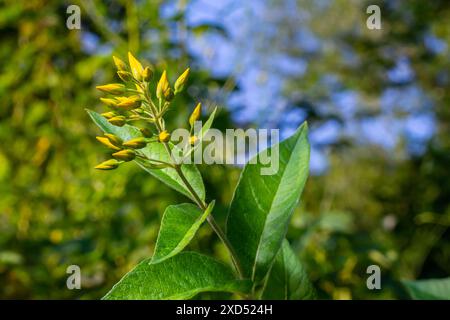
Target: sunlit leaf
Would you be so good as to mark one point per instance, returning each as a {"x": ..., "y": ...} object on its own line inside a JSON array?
[
  {"x": 178, "y": 226},
  {"x": 180, "y": 277},
  {"x": 432, "y": 289},
  {"x": 262, "y": 205},
  {"x": 287, "y": 279}
]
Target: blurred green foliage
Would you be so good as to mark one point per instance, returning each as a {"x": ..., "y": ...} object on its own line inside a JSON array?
[{"x": 56, "y": 210}]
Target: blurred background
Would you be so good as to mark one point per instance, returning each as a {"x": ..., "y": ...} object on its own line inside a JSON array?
[{"x": 377, "y": 102}]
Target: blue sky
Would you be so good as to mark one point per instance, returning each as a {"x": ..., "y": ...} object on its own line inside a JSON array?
[
  {"x": 261, "y": 73},
  {"x": 255, "y": 52}
]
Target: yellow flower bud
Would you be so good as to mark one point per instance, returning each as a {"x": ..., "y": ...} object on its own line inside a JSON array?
[
  {"x": 162, "y": 86},
  {"x": 115, "y": 140},
  {"x": 120, "y": 65},
  {"x": 113, "y": 88},
  {"x": 120, "y": 99},
  {"x": 117, "y": 121},
  {"x": 108, "y": 164},
  {"x": 181, "y": 81},
  {"x": 195, "y": 114},
  {"x": 193, "y": 140},
  {"x": 106, "y": 142},
  {"x": 136, "y": 67},
  {"x": 109, "y": 102},
  {"x": 147, "y": 74},
  {"x": 129, "y": 103},
  {"x": 164, "y": 136},
  {"x": 136, "y": 143},
  {"x": 168, "y": 94},
  {"x": 125, "y": 76},
  {"x": 125, "y": 155},
  {"x": 109, "y": 115}
]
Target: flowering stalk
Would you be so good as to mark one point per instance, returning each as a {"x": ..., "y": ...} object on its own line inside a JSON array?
[{"x": 140, "y": 106}]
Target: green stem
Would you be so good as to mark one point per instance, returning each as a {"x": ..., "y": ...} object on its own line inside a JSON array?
[
  {"x": 200, "y": 203},
  {"x": 212, "y": 222}
]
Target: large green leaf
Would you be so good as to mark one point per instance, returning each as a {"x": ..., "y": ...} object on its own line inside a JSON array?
[
  {"x": 262, "y": 205},
  {"x": 155, "y": 151},
  {"x": 287, "y": 279},
  {"x": 432, "y": 289},
  {"x": 178, "y": 226},
  {"x": 180, "y": 277}
]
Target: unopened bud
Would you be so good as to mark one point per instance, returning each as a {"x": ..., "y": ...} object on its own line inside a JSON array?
[
  {"x": 117, "y": 121},
  {"x": 125, "y": 155},
  {"x": 109, "y": 102},
  {"x": 147, "y": 74},
  {"x": 106, "y": 142},
  {"x": 115, "y": 140},
  {"x": 164, "y": 136},
  {"x": 120, "y": 65},
  {"x": 136, "y": 143},
  {"x": 195, "y": 114},
  {"x": 136, "y": 67},
  {"x": 108, "y": 164},
  {"x": 113, "y": 88},
  {"x": 168, "y": 94},
  {"x": 129, "y": 103},
  {"x": 181, "y": 81},
  {"x": 109, "y": 115},
  {"x": 162, "y": 86}
]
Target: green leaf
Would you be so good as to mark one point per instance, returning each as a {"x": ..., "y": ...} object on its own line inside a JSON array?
[
  {"x": 178, "y": 226},
  {"x": 263, "y": 204},
  {"x": 287, "y": 279},
  {"x": 207, "y": 124},
  {"x": 155, "y": 151},
  {"x": 432, "y": 289},
  {"x": 180, "y": 277}
]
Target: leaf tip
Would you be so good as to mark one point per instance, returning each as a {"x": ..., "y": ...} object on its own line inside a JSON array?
[
  {"x": 304, "y": 126},
  {"x": 211, "y": 205}
]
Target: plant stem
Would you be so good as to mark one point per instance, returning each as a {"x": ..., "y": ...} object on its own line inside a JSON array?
[
  {"x": 212, "y": 222},
  {"x": 200, "y": 203}
]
